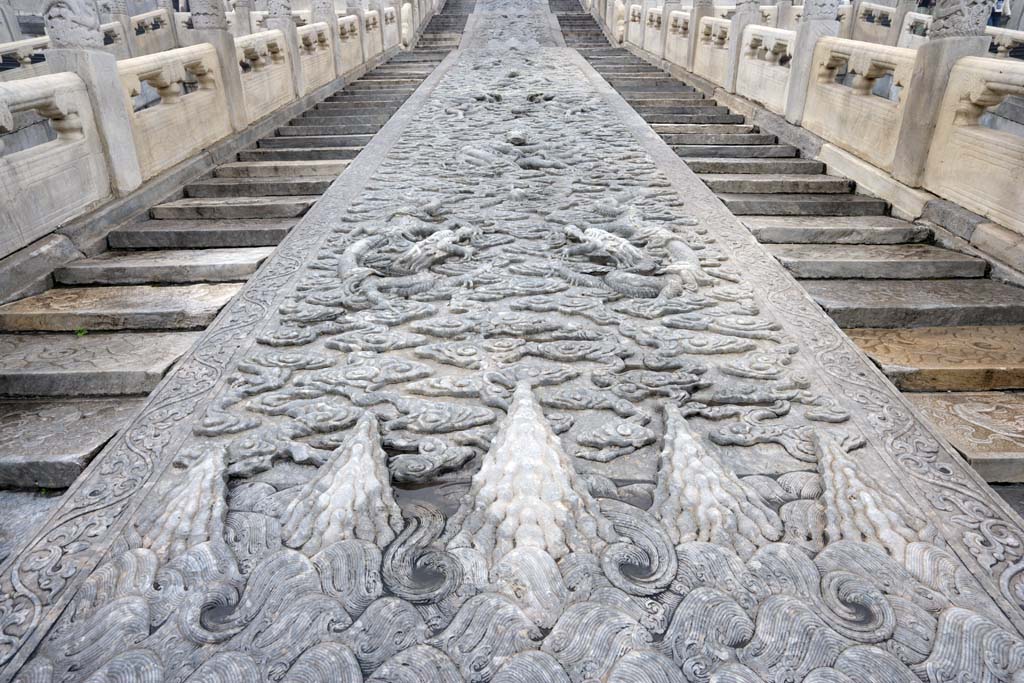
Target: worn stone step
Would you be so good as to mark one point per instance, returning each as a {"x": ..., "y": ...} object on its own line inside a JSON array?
[
  {"x": 164, "y": 266},
  {"x": 200, "y": 234},
  {"x": 659, "y": 82},
  {"x": 677, "y": 100},
  {"x": 736, "y": 151},
  {"x": 780, "y": 183},
  {"x": 803, "y": 204},
  {"x": 918, "y": 303},
  {"x": 299, "y": 154},
  {"x": 987, "y": 428},
  {"x": 719, "y": 138},
  {"x": 706, "y": 117},
  {"x": 47, "y": 443},
  {"x": 369, "y": 109},
  {"x": 835, "y": 230},
  {"x": 322, "y": 118},
  {"x": 371, "y": 83},
  {"x": 278, "y": 169},
  {"x": 94, "y": 364},
  {"x": 673, "y": 128},
  {"x": 957, "y": 358},
  {"x": 135, "y": 307},
  {"x": 378, "y": 98},
  {"x": 892, "y": 261},
  {"x": 299, "y": 141},
  {"x": 755, "y": 166},
  {"x": 694, "y": 107},
  {"x": 234, "y": 207},
  {"x": 259, "y": 187},
  {"x": 304, "y": 127}
]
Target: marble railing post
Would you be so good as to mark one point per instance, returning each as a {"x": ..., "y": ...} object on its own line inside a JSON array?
[
  {"x": 818, "y": 21},
  {"x": 172, "y": 25},
  {"x": 784, "y": 14},
  {"x": 899, "y": 14},
  {"x": 119, "y": 13},
  {"x": 701, "y": 9},
  {"x": 958, "y": 30},
  {"x": 243, "y": 17},
  {"x": 747, "y": 12},
  {"x": 666, "y": 11},
  {"x": 280, "y": 18},
  {"x": 364, "y": 37},
  {"x": 76, "y": 45},
  {"x": 211, "y": 26},
  {"x": 323, "y": 10}
]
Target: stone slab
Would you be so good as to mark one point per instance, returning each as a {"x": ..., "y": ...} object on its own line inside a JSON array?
[
  {"x": 47, "y": 444},
  {"x": 129, "y": 307},
  {"x": 835, "y": 230},
  {"x": 803, "y": 204},
  {"x": 165, "y": 266},
  {"x": 234, "y": 207},
  {"x": 975, "y": 358},
  {"x": 275, "y": 169},
  {"x": 896, "y": 261},
  {"x": 94, "y": 364},
  {"x": 258, "y": 187},
  {"x": 987, "y": 428},
  {"x": 20, "y": 513},
  {"x": 736, "y": 151},
  {"x": 776, "y": 183},
  {"x": 908, "y": 303},
  {"x": 754, "y": 166},
  {"x": 200, "y": 234},
  {"x": 28, "y": 270}
]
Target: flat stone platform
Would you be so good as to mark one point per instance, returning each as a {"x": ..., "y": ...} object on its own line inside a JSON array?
[{"x": 519, "y": 399}]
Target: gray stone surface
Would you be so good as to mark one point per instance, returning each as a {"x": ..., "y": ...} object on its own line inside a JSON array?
[
  {"x": 20, "y": 513},
  {"x": 201, "y": 234},
  {"x": 521, "y": 402},
  {"x": 903, "y": 261},
  {"x": 138, "y": 307},
  {"x": 93, "y": 364},
  {"x": 28, "y": 269},
  {"x": 47, "y": 444},
  {"x": 164, "y": 266},
  {"x": 234, "y": 207},
  {"x": 835, "y": 230},
  {"x": 803, "y": 204},
  {"x": 273, "y": 169},
  {"x": 797, "y": 183},
  {"x": 258, "y": 187},
  {"x": 902, "y": 303}
]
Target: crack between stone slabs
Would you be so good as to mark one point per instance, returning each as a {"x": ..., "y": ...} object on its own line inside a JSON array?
[
  {"x": 690, "y": 188},
  {"x": 316, "y": 220}
]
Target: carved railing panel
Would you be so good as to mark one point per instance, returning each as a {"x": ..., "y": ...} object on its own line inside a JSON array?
[
  {"x": 763, "y": 74},
  {"x": 266, "y": 72},
  {"x": 711, "y": 59},
  {"x": 316, "y": 55}
]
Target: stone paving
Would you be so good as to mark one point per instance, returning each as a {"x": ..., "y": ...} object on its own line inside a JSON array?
[{"x": 521, "y": 401}]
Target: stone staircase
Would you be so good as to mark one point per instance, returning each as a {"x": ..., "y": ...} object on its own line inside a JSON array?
[
  {"x": 77, "y": 359},
  {"x": 928, "y": 316},
  {"x": 444, "y": 30}
]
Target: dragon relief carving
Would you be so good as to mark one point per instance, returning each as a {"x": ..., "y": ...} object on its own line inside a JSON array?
[{"x": 520, "y": 418}]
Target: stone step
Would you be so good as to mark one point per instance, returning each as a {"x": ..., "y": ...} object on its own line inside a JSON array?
[
  {"x": 164, "y": 266},
  {"x": 803, "y": 204},
  {"x": 987, "y": 428},
  {"x": 368, "y": 108},
  {"x": 374, "y": 98},
  {"x": 298, "y": 141},
  {"x": 304, "y": 127},
  {"x": 958, "y": 358},
  {"x": 918, "y": 303},
  {"x": 780, "y": 183},
  {"x": 835, "y": 230},
  {"x": 369, "y": 83},
  {"x": 234, "y": 207},
  {"x": 676, "y": 100},
  {"x": 306, "y": 130},
  {"x": 736, "y": 151},
  {"x": 200, "y": 234},
  {"x": 673, "y": 128},
  {"x": 694, "y": 118},
  {"x": 259, "y": 187},
  {"x": 94, "y": 364},
  {"x": 694, "y": 107},
  {"x": 659, "y": 82},
  {"x": 755, "y": 166},
  {"x": 880, "y": 261},
  {"x": 326, "y": 118},
  {"x": 298, "y": 154},
  {"x": 136, "y": 307},
  {"x": 56, "y": 439},
  {"x": 278, "y": 169},
  {"x": 718, "y": 138}
]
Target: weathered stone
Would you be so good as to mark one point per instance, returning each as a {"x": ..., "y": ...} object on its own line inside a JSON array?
[
  {"x": 258, "y": 187},
  {"x": 180, "y": 307},
  {"x": 987, "y": 428},
  {"x": 741, "y": 183},
  {"x": 89, "y": 365},
  {"x": 803, "y": 204},
  {"x": 976, "y": 358},
  {"x": 200, "y": 234},
  {"x": 187, "y": 265},
  {"x": 26, "y": 270},
  {"x": 273, "y": 169},
  {"x": 234, "y": 207},
  {"x": 21, "y": 512},
  {"x": 904, "y": 261},
  {"x": 903, "y": 303},
  {"x": 47, "y": 444},
  {"x": 835, "y": 230},
  {"x": 755, "y": 166}
]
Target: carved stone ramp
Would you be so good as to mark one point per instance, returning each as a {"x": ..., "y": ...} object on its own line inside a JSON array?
[
  {"x": 115, "y": 322},
  {"x": 522, "y": 402},
  {"x": 868, "y": 270}
]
